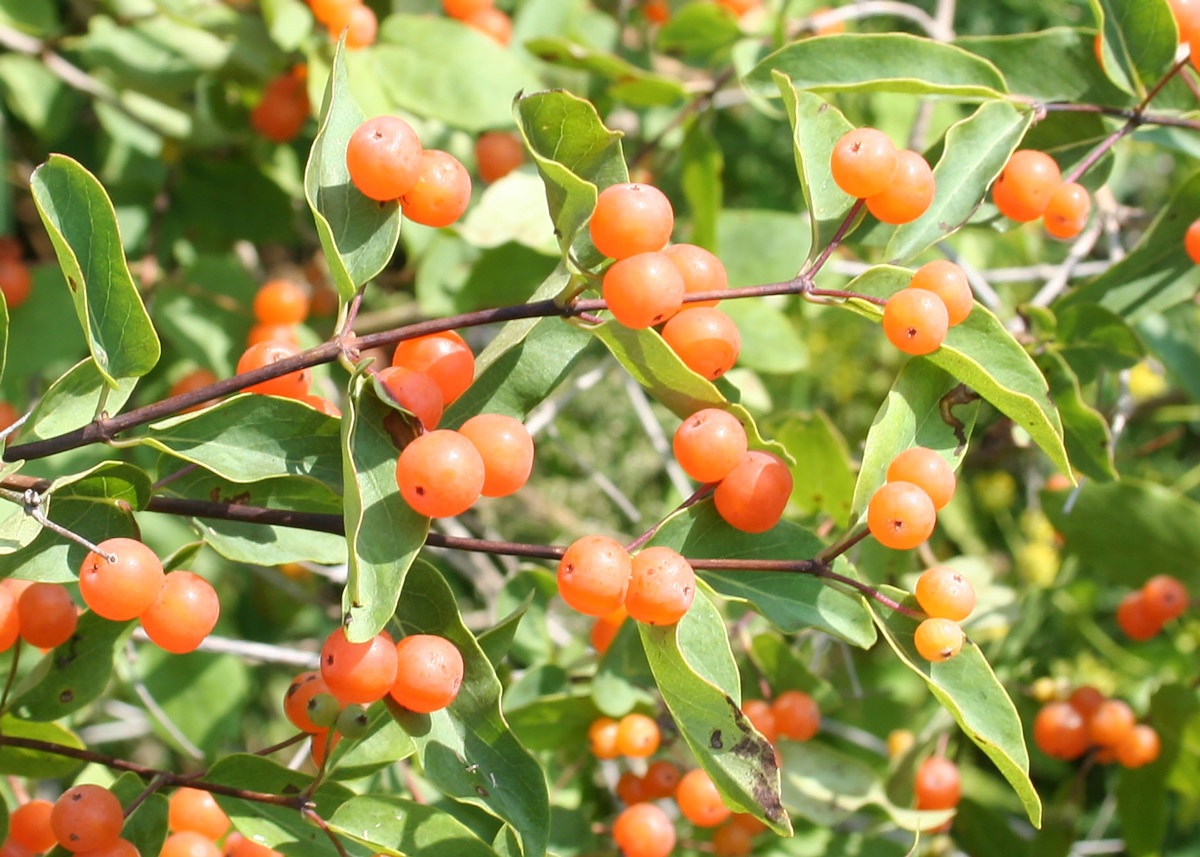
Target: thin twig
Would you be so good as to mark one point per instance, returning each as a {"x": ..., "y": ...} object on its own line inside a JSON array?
[
  {"x": 312, "y": 814},
  {"x": 697, "y": 495},
  {"x": 12, "y": 673}
]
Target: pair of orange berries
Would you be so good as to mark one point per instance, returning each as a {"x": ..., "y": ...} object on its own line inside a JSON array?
[
  {"x": 481, "y": 15},
  {"x": 793, "y": 714},
  {"x": 1066, "y": 729},
  {"x": 634, "y": 736},
  {"x": 352, "y": 16},
  {"x": 947, "y": 598},
  {"x": 660, "y": 781},
  {"x": 753, "y": 486},
  {"x": 897, "y": 185},
  {"x": 1031, "y": 186},
  {"x": 916, "y": 318},
  {"x": 387, "y": 162},
  {"x": 903, "y": 511},
  {"x": 597, "y": 576},
  {"x": 1143, "y": 612}
]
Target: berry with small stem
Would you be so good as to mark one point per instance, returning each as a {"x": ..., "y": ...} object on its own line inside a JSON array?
[
  {"x": 1140, "y": 747},
  {"x": 1110, "y": 723},
  {"x": 497, "y": 153},
  {"x": 944, "y": 593},
  {"x": 709, "y": 444},
  {"x": 440, "y": 474},
  {"x": 280, "y": 302},
  {"x": 602, "y": 738},
  {"x": 900, "y": 515},
  {"x": 443, "y": 356},
  {"x": 1164, "y": 597},
  {"x": 1135, "y": 620},
  {"x": 1023, "y": 190},
  {"x": 1067, "y": 211},
  {"x": 644, "y": 830},
  {"x": 706, "y": 340},
  {"x": 304, "y": 688},
  {"x": 700, "y": 269},
  {"x": 442, "y": 192},
  {"x": 506, "y": 448},
  {"x": 292, "y": 385},
  {"x": 926, "y": 469},
  {"x": 864, "y": 162},
  {"x": 915, "y": 321},
  {"x": 938, "y": 640},
  {"x": 909, "y": 193},
  {"x": 1061, "y": 731},
  {"x": 643, "y": 290},
  {"x": 938, "y": 784},
  {"x": 184, "y": 613},
  {"x": 29, "y": 824},
  {"x": 124, "y": 588},
  {"x": 699, "y": 800},
  {"x": 662, "y": 586},
  {"x": 86, "y": 817},
  {"x": 46, "y": 615},
  {"x": 949, "y": 282},
  {"x": 797, "y": 715},
  {"x": 593, "y": 575},
  {"x": 429, "y": 673},
  {"x": 358, "y": 672},
  {"x": 629, "y": 219},
  {"x": 755, "y": 493},
  {"x": 383, "y": 157}
]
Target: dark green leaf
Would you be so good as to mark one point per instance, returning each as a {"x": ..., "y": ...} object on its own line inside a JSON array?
[
  {"x": 146, "y": 826},
  {"x": 1140, "y": 38},
  {"x": 397, "y": 826},
  {"x": 50, "y": 557},
  {"x": 701, "y": 165},
  {"x": 384, "y": 744},
  {"x": 823, "y": 474},
  {"x": 19, "y": 762},
  {"x": 697, "y": 31},
  {"x": 71, "y": 676},
  {"x": 108, "y": 482},
  {"x": 498, "y": 639},
  {"x": 1090, "y": 337},
  {"x": 74, "y": 400},
  {"x": 1088, "y": 439},
  {"x": 626, "y": 81}
]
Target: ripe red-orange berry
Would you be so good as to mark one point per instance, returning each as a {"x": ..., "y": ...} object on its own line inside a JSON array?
[
  {"x": 909, "y": 193},
  {"x": 593, "y": 575},
  {"x": 237, "y": 845},
  {"x": 10, "y": 622},
  {"x": 124, "y": 848},
  {"x": 86, "y": 817},
  {"x": 938, "y": 784},
  {"x": 1187, "y": 18},
  {"x": 15, "y": 282},
  {"x": 497, "y": 153},
  {"x": 637, "y": 736},
  {"x": 709, "y": 444},
  {"x": 1067, "y": 211},
  {"x": 443, "y": 356},
  {"x": 188, "y": 843},
  {"x": 938, "y": 639},
  {"x": 732, "y": 840},
  {"x": 1135, "y": 620},
  {"x": 755, "y": 493},
  {"x": 416, "y": 392},
  {"x": 900, "y": 515},
  {"x": 333, "y": 14},
  {"x": 1060, "y": 730},
  {"x": 295, "y": 702},
  {"x": 123, "y": 589},
  {"x": 323, "y": 405},
  {"x": 465, "y": 8},
  {"x": 657, "y": 11},
  {"x": 29, "y": 824},
  {"x": 631, "y": 218},
  {"x": 285, "y": 333},
  {"x": 442, "y": 192},
  {"x": 605, "y": 629},
  {"x": 701, "y": 271},
  {"x": 358, "y": 672},
  {"x": 196, "y": 810},
  {"x": 706, "y": 340},
  {"x": 280, "y": 302},
  {"x": 183, "y": 614},
  {"x": 602, "y": 738},
  {"x": 493, "y": 23},
  {"x": 644, "y": 830},
  {"x": 629, "y": 789},
  {"x": 194, "y": 380},
  {"x": 1191, "y": 241},
  {"x": 1085, "y": 700},
  {"x": 1164, "y": 597},
  {"x": 1140, "y": 747},
  {"x": 383, "y": 158},
  {"x": 758, "y": 712},
  {"x": 662, "y": 586},
  {"x": 440, "y": 474},
  {"x": 915, "y": 321},
  {"x": 949, "y": 282},
  {"x": 362, "y": 28},
  {"x": 13, "y": 848},
  {"x": 282, "y": 110},
  {"x": 46, "y": 615},
  {"x": 506, "y": 448},
  {"x": 797, "y": 715},
  {"x": 1110, "y": 723},
  {"x": 643, "y": 290},
  {"x": 661, "y": 780},
  {"x": 699, "y": 800},
  {"x": 292, "y": 385},
  {"x": 944, "y": 593},
  {"x": 927, "y": 470},
  {"x": 429, "y": 672},
  {"x": 1026, "y": 184},
  {"x": 864, "y": 162}
]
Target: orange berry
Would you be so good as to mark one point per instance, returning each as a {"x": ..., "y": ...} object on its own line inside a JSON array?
[
  {"x": 492, "y": 23},
  {"x": 196, "y": 810},
  {"x": 120, "y": 848},
  {"x": 1140, "y": 747},
  {"x": 86, "y": 817},
  {"x": 273, "y": 333},
  {"x": 829, "y": 29},
  {"x": 938, "y": 639},
  {"x": 1164, "y": 597},
  {"x": 442, "y": 192},
  {"x": 864, "y": 162},
  {"x": 740, "y": 7},
  {"x": 732, "y": 840},
  {"x": 643, "y": 290},
  {"x": 943, "y": 593},
  {"x": 429, "y": 672},
  {"x": 938, "y": 784},
  {"x": 498, "y": 153},
  {"x": 605, "y": 629},
  {"x": 709, "y": 444},
  {"x": 755, "y": 493},
  {"x": 383, "y": 158},
  {"x": 1067, "y": 211},
  {"x": 29, "y": 824},
  {"x": 758, "y": 712},
  {"x": 915, "y": 321},
  {"x": 796, "y": 715},
  {"x": 188, "y": 843},
  {"x": 1060, "y": 730},
  {"x": 195, "y": 380},
  {"x": 362, "y": 28},
  {"x": 637, "y": 736},
  {"x": 323, "y": 405},
  {"x": 644, "y": 830},
  {"x": 292, "y": 385},
  {"x": 900, "y": 515},
  {"x": 10, "y": 622},
  {"x": 322, "y": 746},
  {"x": 440, "y": 474},
  {"x": 661, "y": 587},
  {"x": 13, "y": 848},
  {"x": 1187, "y": 18},
  {"x": 358, "y": 672},
  {"x": 631, "y": 218},
  {"x": 602, "y": 738},
  {"x": 701, "y": 271},
  {"x": 243, "y": 847},
  {"x": 1135, "y": 620},
  {"x": 443, "y": 356},
  {"x": 334, "y": 14},
  {"x": 8, "y": 416},
  {"x": 661, "y": 780},
  {"x": 295, "y": 702},
  {"x": 15, "y": 282},
  {"x": 183, "y": 614},
  {"x": 506, "y": 448},
  {"x": 593, "y": 575},
  {"x": 1191, "y": 241},
  {"x": 699, "y": 800},
  {"x": 1023, "y": 190},
  {"x": 629, "y": 788},
  {"x": 909, "y": 193},
  {"x": 415, "y": 392},
  {"x": 927, "y": 470},
  {"x": 282, "y": 110},
  {"x": 748, "y": 823},
  {"x": 949, "y": 282},
  {"x": 1112, "y": 720},
  {"x": 705, "y": 339},
  {"x": 124, "y": 589},
  {"x": 1085, "y": 700},
  {"x": 657, "y": 11},
  {"x": 281, "y": 302},
  {"x": 46, "y": 615},
  {"x": 465, "y": 8}
]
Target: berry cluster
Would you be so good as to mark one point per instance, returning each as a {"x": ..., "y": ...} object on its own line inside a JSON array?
[
  {"x": 352, "y": 16},
  {"x": 284, "y": 106},
  {"x": 386, "y": 162},
  {"x": 948, "y": 598},
  {"x": 481, "y": 15},
  {"x": 902, "y": 512},
  {"x": 793, "y": 714},
  {"x": 597, "y": 577},
  {"x": 897, "y": 185},
  {"x": 1066, "y": 729},
  {"x": 916, "y": 318},
  {"x": 1031, "y": 186},
  {"x": 1143, "y": 612}
]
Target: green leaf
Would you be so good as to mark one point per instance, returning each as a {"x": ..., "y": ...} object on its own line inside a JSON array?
[
  {"x": 697, "y": 31},
  {"x": 554, "y": 721},
  {"x": 74, "y": 400},
  {"x": 50, "y": 557},
  {"x": 967, "y": 688},
  {"x": 879, "y": 62},
  {"x": 576, "y": 155},
  {"x": 467, "y": 750},
  {"x": 497, "y": 640},
  {"x": 83, "y": 228},
  {"x": 816, "y": 127},
  {"x": 696, "y": 673},
  {"x": 924, "y": 407},
  {"x": 383, "y": 533},
  {"x": 204, "y": 694},
  {"x": 1140, "y": 38},
  {"x": 626, "y": 81},
  {"x": 1157, "y": 273},
  {"x": 252, "y": 437},
  {"x": 823, "y": 473},
  {"x": 410, "y": 59},
  {"x": 19, "y": 762},
  {"x": 146, "y": 826},
  {"x": 976, "y": 150},
  {"x": 982, "y": 354},
  {"x": 393, "y": 825},
  {"x": 1088, "y": 439},
  {"x": 701, "y": 166},
  {"x": 776, "y": 346},
  {"x": 759, "y": 246},
  {"x": 791, "y": 601},
  {"x": 107, "y": 482},
  {"x": 71, "y": 676},
  {"x": 384, "y": 744},
  {"x": 1090, "y": 336},
  {"x": 358, "y": 234}
]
